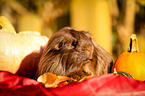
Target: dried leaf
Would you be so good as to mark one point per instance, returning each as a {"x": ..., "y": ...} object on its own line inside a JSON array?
[{"x": 51, "y": 80}]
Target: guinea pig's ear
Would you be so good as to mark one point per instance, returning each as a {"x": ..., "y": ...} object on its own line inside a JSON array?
[
  {"x": 103, "y": 58},
  {"x": 54, "y": 44},
  {"x": 57, "y": 46}
]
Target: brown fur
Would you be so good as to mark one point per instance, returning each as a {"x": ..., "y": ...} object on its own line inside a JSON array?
[{"x": 73, "y": 53}]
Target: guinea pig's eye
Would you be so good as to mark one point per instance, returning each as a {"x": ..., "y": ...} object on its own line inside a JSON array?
[{"x": 74, "y": 43}]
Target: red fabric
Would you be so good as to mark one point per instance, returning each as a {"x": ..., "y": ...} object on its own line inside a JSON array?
[{"x": 111, "y": 85}]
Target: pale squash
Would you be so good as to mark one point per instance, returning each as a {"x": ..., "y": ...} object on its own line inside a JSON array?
[{"x": 20, "y": 52}]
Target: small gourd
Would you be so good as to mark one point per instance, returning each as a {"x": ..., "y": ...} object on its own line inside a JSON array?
[{"x": 133, "y": 61}]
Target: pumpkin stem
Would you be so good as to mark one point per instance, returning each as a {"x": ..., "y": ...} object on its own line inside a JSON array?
[
  {"x": 133, "y": 47},
  {"x": 114, "y": 71},
  {"x": 6, "y": 26}
]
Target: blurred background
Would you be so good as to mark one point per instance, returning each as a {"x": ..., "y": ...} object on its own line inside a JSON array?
[{"x": 110, "y": 22}]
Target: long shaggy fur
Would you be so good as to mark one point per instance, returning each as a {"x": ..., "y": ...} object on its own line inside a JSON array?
[{"x": 73, "y": 53}]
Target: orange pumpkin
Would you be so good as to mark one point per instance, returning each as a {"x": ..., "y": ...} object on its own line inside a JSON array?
[
  {"x": 19, "y": 52},
  {"x": 133, "y": 61}
]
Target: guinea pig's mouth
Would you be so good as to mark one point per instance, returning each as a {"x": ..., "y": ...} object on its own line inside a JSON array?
[{"x": 83, "y": 73}]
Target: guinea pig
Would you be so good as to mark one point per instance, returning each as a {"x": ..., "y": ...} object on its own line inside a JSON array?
[{"x": 74, "y": 54}]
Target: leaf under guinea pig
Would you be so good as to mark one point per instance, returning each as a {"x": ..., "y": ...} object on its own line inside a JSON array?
[{"x": 52, "y": 80}]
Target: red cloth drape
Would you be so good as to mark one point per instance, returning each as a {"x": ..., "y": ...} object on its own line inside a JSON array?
[{"x": 109, "y": 85}]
